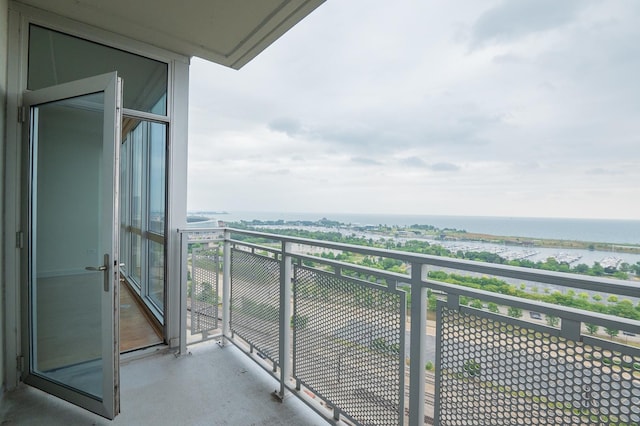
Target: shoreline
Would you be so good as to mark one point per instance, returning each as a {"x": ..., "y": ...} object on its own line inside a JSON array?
[{"x": 539, "y": 242}]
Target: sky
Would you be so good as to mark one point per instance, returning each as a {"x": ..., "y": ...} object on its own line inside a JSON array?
[{"x": 526, "y": 108}]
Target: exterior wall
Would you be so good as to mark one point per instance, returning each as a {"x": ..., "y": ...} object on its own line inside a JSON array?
[{"x": 4, "y": 8}]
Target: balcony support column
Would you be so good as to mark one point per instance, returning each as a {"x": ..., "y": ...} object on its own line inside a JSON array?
[
  {"x": 418, "y": 346},
  {"x": 285, "y": 317},
  {"x": 226, "y": 286}
]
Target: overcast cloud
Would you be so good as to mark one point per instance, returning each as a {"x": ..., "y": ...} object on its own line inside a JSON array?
[{"x": 498, "y": 108}]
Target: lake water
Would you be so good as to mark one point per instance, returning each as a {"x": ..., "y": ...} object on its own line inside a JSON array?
[{"x": 592, "y": 230}]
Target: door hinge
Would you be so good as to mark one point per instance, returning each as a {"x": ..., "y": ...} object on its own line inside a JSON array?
[
  {"x": 20, "y": 363},
  {"x": 22, "y": 114},
  {"x": 19, "y": 239}
]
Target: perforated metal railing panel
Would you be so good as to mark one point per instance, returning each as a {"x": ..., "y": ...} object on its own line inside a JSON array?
[
  {"x": 498, "y": 371},
  {"x": 255, "y": 299},
  {"x": 349, "y": 344},
  {"x": 204, "y": 289}
]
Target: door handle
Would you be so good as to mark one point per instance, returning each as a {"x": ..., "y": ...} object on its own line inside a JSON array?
[
  {"x": 97, "y": 268},
  {"x": 103, "y": 268}
]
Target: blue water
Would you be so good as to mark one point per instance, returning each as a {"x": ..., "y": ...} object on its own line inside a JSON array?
[{"x": 593, "y": 230}]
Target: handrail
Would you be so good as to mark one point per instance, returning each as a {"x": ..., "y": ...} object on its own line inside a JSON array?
[{"x": 583, "y": 282}]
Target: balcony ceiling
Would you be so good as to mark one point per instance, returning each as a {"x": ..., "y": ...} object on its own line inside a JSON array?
[{"x": 227, "y": 32}]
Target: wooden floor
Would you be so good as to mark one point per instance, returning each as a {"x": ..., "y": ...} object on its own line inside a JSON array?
[{"x": 136, "y": 331}]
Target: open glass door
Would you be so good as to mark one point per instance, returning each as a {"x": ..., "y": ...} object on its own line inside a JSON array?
[{"x": 73, "y": 137}]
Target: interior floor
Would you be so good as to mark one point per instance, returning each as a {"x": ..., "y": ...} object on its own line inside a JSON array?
[{"x": 136, "y": 328}]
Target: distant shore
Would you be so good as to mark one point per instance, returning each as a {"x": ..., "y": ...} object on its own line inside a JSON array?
[
  {"x": 542, "y": 242},
  {"x": 447, "y": 234}
]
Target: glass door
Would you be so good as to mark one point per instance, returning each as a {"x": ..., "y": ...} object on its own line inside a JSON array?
[{"x": 73, "y": 344}]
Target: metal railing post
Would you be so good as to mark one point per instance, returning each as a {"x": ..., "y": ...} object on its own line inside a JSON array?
[
  {"x": 418, "y": 346},
  {"x": 285, "y": 316},
  {"x": 226, "y": 286},
  {"x": 184, "y": 253}
]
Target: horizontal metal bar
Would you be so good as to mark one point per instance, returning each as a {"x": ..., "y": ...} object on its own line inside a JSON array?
[
  {"x": 599, "y": 284},
  {"x": 583, "y": 282},
  {"x": 392, "y": 277},
  {"x": 256, "y": 246},
  {"x": 147, "y": 116},
  {"x": 367, "y": 284},
  {"x": 564, "y": 312}
]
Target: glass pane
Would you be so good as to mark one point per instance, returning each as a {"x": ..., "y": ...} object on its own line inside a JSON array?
[
  {"x": 124, "y": 206},
  {"x": 156, "y": 274},
  {"x": 157, "y": 176},
  {"x": 66, "y": 206},
  {"x": 135, "y": 269},
  {"x": 56, "y": 58},
  {"x": 136, "y": 139},
  {"x": 147, "y": 143}
]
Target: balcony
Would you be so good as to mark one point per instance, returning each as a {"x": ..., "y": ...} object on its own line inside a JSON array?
[
  {"x": 349, "y": 344},
  {"x": 359, "y": 344}
]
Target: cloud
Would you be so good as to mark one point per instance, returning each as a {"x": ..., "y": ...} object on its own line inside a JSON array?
[
  {"x": 444, "y": 167},
  {"x": 511, "y": 20},
  {"x": 541, "y": 110},
  {"x": 508, "y": 58},
  {"x": 279, "y": 172},
  {"x": 599, "y": 171},
  {"x": 289, "y": 126},
  {"x": 413, "y": 162},
  {"x": 365, "y": 161}
]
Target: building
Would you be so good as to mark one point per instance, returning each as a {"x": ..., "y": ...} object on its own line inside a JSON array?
[
  {"x": 62, "y": 65},
  {"x": 93, "y": 123}
]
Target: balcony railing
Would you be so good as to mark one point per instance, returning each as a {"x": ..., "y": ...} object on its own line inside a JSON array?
[{"x": 359, "y": 345}]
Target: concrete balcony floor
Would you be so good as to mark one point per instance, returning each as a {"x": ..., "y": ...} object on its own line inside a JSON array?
[{"x": 211, "y": 386}]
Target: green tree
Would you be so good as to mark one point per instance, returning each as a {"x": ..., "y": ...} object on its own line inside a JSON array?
[
  {"x": 597, "y": 270},
  {"x": 493, "y": 307},
  {"x": 625, "y": 309},
  {"x": 514, "y": 312},
  {"x": 592, "y": 328},
  {"x": 552, "y": 321},
  {"x": 432, "y": 302},
  {"x": 582, "y": 268},
  {"x": 476, "y": 303},
  {"x": 612, "y": 332}
]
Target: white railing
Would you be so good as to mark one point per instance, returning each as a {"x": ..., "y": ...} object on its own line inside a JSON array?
[{"x": 334, "y": 334}]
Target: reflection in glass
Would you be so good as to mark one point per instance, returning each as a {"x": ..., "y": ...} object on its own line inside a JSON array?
[
  {"x": 136, "y": 138},
  {"x": 56, "y": 58},
  {"x": 66, "y": 201},
  {"x": 157, "y": 178},
  {"x": 124, "y": 208},
  {"x": 135, "y": 269},
  {"x": 156, "y": 273},
  {"x": 145, "y": 144}
]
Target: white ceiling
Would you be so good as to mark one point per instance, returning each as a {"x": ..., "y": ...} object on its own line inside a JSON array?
[{"x": 229, "y": 32}]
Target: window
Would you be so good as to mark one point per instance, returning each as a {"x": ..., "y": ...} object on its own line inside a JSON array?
[
  {"x": 56, "y": 58},
  {"x": 144, "y": 207}
]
